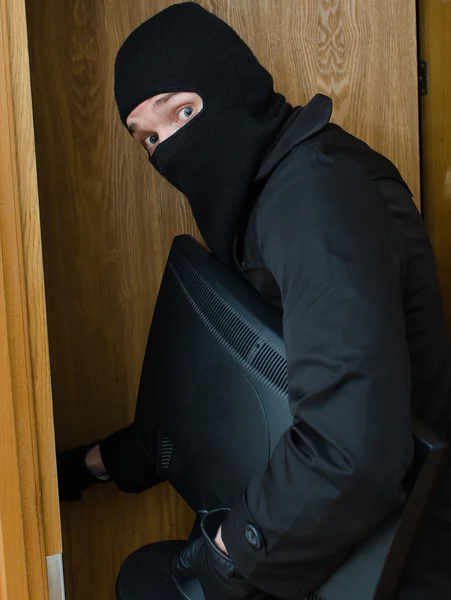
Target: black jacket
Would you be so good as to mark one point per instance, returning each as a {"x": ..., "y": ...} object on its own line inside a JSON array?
[{"x": 336, "y": 242}]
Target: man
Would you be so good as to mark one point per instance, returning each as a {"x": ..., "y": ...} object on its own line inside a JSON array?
[{"x": 326, "y": 230}]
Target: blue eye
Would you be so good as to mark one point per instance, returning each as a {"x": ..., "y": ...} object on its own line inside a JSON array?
[
  {"x": 186, "y": 113},
  {"x": 149, "y": 142}
]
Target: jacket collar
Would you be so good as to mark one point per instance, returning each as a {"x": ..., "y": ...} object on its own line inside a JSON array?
[{"x": 303, "y": 124}]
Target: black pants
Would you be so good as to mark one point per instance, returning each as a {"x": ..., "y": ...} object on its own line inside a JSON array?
[{"x": 147, "y": 575}]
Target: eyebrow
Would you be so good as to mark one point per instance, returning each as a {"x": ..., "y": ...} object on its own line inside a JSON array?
[
  {"x": 162, "y": 101},
  {"x": 131, "y": 128}
]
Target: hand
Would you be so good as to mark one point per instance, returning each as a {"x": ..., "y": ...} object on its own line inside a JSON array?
[
  {"x": 94, "y": 462},
  {"x": 73, "y": 473},
  {"x": 218, "y": 541},
  {"x": 219, "y": 577}
]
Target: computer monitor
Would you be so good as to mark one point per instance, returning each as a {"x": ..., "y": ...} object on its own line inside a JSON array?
[{"x": 217, "y": 376}]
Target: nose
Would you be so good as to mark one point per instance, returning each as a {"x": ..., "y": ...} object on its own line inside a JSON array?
[{"x": 165, "y": 132}]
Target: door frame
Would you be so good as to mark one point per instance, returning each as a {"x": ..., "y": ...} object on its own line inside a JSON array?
[{"x": 30, "y": 527}]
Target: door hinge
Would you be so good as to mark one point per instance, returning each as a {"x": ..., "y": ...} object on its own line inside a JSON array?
[{"x": 423, "y": 77}]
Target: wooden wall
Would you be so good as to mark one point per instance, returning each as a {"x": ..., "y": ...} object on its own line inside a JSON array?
[
  {"x": 435, "y": 48},
  {"x": 108, "y": 220}
]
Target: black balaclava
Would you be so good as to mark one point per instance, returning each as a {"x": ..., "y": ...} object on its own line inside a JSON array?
[{"x": 215, "y": 156}]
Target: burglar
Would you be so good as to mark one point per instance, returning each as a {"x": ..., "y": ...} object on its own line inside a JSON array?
[{"x": 326, "y": 230}]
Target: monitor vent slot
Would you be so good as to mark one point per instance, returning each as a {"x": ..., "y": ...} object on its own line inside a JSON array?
[
  {"x": 272, "y": 365},
  {"x": 166, "y": 447},
  {"x": 245, "y": 343}
]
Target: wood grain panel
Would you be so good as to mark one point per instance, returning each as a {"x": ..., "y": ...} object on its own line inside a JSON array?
[
  {"x": 362, "y": 54},
  {"x": 108, "y": 220},
  {"x": 107, "y": 226},
  {"x": 435, "y": 47},
  {"x": 13, "y": 566},
  {"x": 29, "y": 512},
  {"x": 29, "y": 238}
]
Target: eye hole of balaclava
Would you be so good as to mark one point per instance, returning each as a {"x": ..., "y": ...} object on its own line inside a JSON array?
[{"x": 213, "y": 158}]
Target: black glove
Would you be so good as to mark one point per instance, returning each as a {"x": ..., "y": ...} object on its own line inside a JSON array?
[
  {"x": 219, "y": 577},
  {"x": 73, "y": 474}
]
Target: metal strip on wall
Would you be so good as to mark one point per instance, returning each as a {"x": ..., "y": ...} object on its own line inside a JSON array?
[{"x": 55, "y": 573}]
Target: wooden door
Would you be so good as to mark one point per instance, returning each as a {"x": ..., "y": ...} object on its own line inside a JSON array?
[
  {"x": 108, "y": 220},
  {"x": 29, "y": 509},
  {"x": 435, "y": 48}
]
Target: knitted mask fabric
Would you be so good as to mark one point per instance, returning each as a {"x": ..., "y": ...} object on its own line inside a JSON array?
[{"x": 212, "y": 159}]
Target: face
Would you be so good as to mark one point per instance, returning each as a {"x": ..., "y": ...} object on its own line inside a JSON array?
[{"x": 159, "y": 117}]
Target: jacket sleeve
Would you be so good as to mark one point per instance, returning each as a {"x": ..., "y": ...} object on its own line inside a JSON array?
[{"x": 338, "y": 470}]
